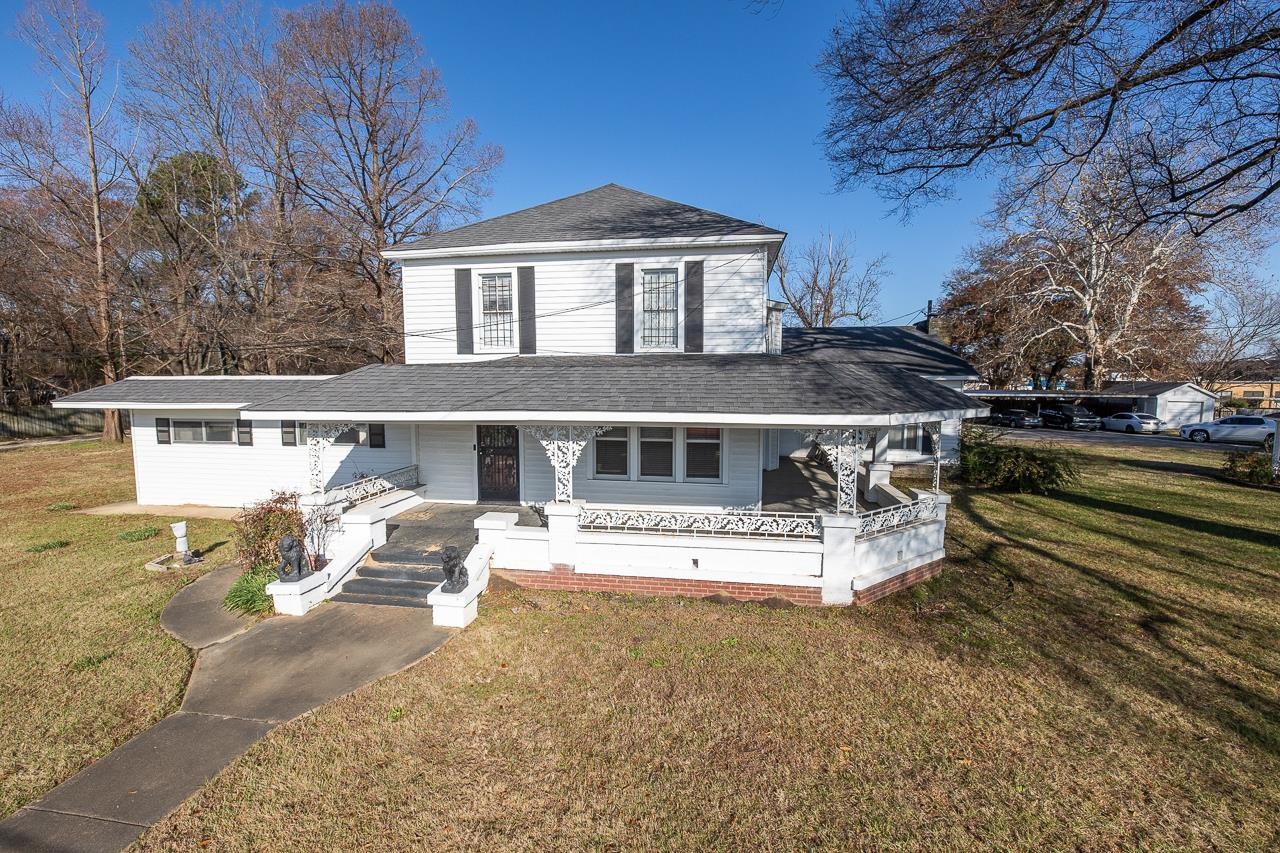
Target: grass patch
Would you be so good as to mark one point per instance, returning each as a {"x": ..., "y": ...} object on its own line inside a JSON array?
[
  {"x": 249, "y": 593},
  {"x": 65, "y": 702},
  {"x": 50, "y": 545},
  {"x": 1094, "y": 670},
  {"x": 139, "y": 535}
]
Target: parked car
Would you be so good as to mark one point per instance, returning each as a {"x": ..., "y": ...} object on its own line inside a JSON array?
[
  {"x": 1068, "y": 416},
  {"x": 1133, "y": 422},
  {"x": 1244, "y": 429},
  {"x": 1017, "y": 418}
]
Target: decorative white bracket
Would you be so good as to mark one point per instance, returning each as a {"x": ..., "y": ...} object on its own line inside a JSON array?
[
  {"x": 934, "y": 429},
  {"x": 844, "y": 448},
  {"x": 320, "y": 436},
  {"x": 563, "y": 445}
]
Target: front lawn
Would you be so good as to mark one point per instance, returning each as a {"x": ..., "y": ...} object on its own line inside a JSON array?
[
  {"x": 84, "y": 664},
  {"x": 1096, "y": 670}
]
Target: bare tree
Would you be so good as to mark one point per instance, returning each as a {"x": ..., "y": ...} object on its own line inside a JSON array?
[
  {"x": 376, "y": 151},
  {"x": 1243, "y": 323},
  {"x": 825, "y": 286},
  {"x": 60, "y": 155},
  {"x": 1184, "y": 91}
]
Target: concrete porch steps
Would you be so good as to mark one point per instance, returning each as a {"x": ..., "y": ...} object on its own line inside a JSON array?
[{"x": 393, "y": 584}]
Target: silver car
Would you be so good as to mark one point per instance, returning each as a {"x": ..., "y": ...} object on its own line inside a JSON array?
[
  {"x": 1244, "y": 429},
  {"x": 1133, "y": 422}
]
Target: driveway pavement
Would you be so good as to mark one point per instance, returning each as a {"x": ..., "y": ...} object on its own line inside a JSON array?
[
  {"x": 1107, "y": 437},
  {"x": 246, "y": 681}
]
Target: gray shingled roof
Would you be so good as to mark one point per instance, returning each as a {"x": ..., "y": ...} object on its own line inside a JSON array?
[
  {"x": 744, "y": 384},
  {"x": 1143, "y": 389},
  {"x": 900, "y": 346},
  {"x": 220, "y": 392},
  {"x": 610, "y": 212}
]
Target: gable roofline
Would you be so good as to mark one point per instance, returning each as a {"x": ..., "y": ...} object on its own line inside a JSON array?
[{"x": 553, "y": 246}]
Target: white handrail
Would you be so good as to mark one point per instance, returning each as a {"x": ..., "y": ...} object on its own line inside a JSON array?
[
  {"x": 759, "y": 525},
  {"x": 883, "y": 520}
]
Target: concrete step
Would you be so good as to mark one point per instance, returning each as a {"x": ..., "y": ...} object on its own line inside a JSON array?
[
  {"x": 387, "y": 600},
  {"x": 400, "y": 572},
  {"x": 388, "y": 586},
  {"x": 400, "y": 555}
]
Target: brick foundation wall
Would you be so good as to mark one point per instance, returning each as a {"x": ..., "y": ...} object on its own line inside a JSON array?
[
  {"x": 897, "y": 583},
  {"x": 564, "y": 578}
]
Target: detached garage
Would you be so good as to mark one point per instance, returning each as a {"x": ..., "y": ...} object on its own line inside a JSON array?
[{"x": 1175, "y": 403}]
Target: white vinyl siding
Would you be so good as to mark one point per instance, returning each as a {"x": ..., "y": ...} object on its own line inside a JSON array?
[
  {"x": 575, "y": 301},
  {"x": 740, "y": 485},
  {"x": 232, "y": 475}
]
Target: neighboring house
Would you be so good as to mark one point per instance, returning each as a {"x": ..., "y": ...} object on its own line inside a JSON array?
[
  {"x": 1256, "y": 381},
  {"x": 611, "y": 357}
]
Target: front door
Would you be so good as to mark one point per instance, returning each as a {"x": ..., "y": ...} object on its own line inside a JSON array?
[{"x": 498, "y": 452}]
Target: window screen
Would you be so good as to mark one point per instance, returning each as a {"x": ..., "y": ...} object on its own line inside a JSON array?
[
  {"x": 657, "y": 451},
  {"x": 702, "y": 453},
  {"x": 611, "y": 453}
]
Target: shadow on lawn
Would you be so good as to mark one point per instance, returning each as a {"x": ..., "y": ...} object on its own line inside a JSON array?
[{"x": 1110, "y": 626}]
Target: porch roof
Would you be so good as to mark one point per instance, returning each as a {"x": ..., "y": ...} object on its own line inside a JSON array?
[{"x": 744, "y": 389}]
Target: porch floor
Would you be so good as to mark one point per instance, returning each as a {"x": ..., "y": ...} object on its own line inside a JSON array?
[
  {"x": 422, "y": 531},
  {"x": 801, "y": 485}
]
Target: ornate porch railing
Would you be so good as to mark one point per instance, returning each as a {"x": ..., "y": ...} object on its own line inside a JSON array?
[
  {"x": 756, "y": 525},
  {"x": 889, "y": 518},
  {"x": 366, "y": 488}
]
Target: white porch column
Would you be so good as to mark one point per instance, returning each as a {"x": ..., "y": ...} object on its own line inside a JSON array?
[
  {"x": 934, "y": 429},
  {"x": 844, "y": 448},
  {"x": 563, "y": 445},
  {"x": 562, "y": 533},
  {"x": 878, "y": 474},
  {"x": 320, "y": 436},
  {"x": 839, "y": 558}
]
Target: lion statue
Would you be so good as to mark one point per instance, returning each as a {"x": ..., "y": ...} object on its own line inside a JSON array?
[
  {"x": 293, "y": 560},
  {"x": 455, "y": 574}
]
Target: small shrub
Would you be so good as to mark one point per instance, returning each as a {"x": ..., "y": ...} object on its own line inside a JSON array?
[
  {"x": 139, "y": 535},
  {"x": 41, "y": 547},
  {"x": 1249, "y": 466},
  {"x": 986, "y": 460},
  {"x": 249, "y": 593},
  {"x": 61, "y": 506},
  {"x": 260, "y": 526},
  {"x": 395, "y": 715}
]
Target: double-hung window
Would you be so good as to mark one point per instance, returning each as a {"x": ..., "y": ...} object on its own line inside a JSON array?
[
  {"x": 611, "y": 452},
  {"x": 904, "y": 437},
  {"x": 702, "y": 453},
  {"x": 657, "y": 453},
  {"x": 497, "y": 311},
  {"x": 659, "y": 309}
]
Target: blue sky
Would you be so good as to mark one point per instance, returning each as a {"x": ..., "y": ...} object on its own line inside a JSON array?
[{"x": 705, "y": 102}]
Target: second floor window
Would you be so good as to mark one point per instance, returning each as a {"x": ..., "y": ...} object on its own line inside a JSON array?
[
  {"x": 659, "y": 309},
  {"x": 497, "y": 313}
]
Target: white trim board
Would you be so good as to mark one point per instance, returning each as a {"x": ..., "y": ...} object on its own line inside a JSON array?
[
  {"x": 786, "y": 420},
  {"x": 548, "y": 246}
]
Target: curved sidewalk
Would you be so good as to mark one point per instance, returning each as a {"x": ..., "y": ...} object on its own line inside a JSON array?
[{"x": 248, "y": 678}]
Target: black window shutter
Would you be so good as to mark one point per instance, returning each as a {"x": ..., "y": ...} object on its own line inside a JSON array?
[
  {"x": 462, "y": 303},
  {"x": 289, "y": 433},
  {"x": 162, "y": 431},
  {"x": 693, "y": 306},
  {"x": 625, "y": 306},
  {"x": 528, "y": 312},
  {"x": 244, "y": 433},
  {"x": 377, "y": 435}
]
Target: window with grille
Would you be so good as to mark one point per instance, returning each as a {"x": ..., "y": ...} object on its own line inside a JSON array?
[
  {"x": 659, "y": 313},
  {"x": 657, "y": 452},
  {"x": 497, "y": 311},
  {"x": 611, "y": 453},
  {"x": 702, "y": 453}
]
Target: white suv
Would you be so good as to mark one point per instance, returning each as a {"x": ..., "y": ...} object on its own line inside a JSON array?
[{"x": 1245, "y": 429}]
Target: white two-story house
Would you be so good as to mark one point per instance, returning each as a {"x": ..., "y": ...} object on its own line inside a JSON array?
[{"x": 614, "y": 359}]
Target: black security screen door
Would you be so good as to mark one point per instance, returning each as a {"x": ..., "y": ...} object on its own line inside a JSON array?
[{"x": 499, "y": 459}]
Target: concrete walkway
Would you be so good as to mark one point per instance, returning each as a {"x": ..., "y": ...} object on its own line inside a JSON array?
[
  {"x": 246, "y": 681},
  {"x": 166, "y": 510}
]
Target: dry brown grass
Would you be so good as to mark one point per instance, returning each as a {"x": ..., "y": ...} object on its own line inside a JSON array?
[
  {"x": 84, "y": 664},
  {"x": 1094, "y": 671}
]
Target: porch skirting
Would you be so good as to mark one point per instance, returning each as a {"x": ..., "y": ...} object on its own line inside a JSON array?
[
  {"x": 889, "y": 586},
  {"x": 565, "y": 578}
]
